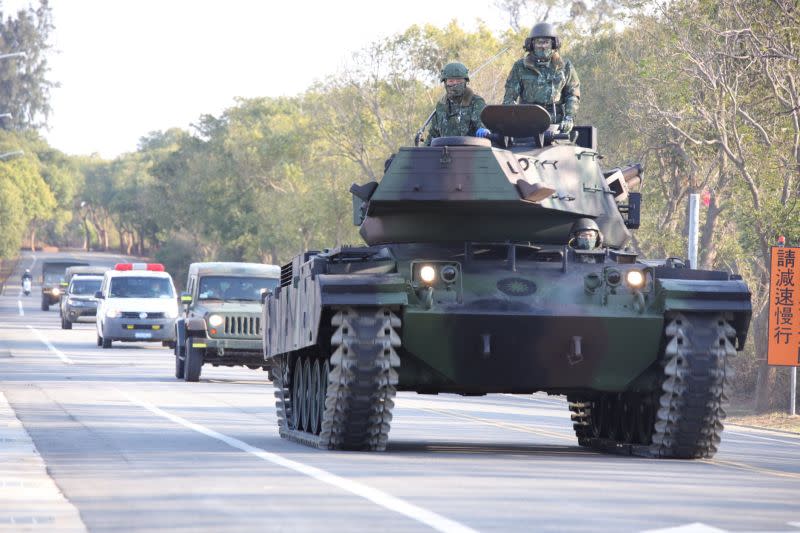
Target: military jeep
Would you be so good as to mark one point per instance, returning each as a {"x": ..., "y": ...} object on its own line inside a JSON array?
[{"x": 221, "y": 319}]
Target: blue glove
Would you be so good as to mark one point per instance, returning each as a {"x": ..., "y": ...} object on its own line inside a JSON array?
[{"x": 482, "y": 132}]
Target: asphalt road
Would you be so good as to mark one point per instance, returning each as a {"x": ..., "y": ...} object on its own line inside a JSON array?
[{"x": 132, "y": 448}]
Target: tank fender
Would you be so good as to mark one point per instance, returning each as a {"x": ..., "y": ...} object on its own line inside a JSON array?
[
  {"x": 292, "y": 314},
  {"x": 364, "y": 289},
  {"x": 692, "y": 295}
]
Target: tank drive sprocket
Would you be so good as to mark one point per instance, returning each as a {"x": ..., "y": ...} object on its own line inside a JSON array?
[
  {"x": 342, "y": 400},
  {"x": 683, "y": 418}
]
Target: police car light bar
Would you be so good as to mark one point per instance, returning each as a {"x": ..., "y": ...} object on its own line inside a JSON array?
[{"x": 155, "y": 267}]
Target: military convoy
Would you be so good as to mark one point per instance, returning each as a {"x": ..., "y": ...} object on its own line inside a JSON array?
[
  {"x": 221, "y": 320},
  {"x": 468, "y": 285}
]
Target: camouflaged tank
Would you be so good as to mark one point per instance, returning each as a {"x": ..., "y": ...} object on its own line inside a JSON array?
[{"x": 469, "y": 285}]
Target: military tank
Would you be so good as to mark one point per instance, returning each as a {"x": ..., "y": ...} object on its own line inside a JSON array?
[{"x": 468, "y": 284}]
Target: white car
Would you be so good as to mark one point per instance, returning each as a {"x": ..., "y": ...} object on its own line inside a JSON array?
[{"x": 136, "y": 302}]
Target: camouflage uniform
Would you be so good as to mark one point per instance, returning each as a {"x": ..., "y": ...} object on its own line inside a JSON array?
[
  {"x": 545, "y": 83},
  {"x": 457, "y": 117}
]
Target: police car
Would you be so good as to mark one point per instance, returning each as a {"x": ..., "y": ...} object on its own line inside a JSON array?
[{"x": 136, "y": 302}]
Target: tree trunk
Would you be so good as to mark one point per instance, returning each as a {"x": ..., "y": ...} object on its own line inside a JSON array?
[
  {"x": 765, "y": 382},
  {"x": 33, "y": 239}
]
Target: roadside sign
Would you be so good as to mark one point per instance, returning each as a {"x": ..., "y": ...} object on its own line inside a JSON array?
[{"x": 784, "y": 307}]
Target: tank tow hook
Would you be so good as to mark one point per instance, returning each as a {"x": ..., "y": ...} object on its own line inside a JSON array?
[
  {"x": 574, "y": 355},
  {"x": 487, "y": 344}
]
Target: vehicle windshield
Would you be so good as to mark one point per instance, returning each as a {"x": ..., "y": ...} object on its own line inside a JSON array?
[
  {"x": 84, "y": 287},
  {"x": 53, "y": 277},
  {"x": 233, "y": 288},
  {"x": 143, "y": 287}
]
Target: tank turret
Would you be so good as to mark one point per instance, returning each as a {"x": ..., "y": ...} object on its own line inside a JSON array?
[{"x": 532, "y": 188}]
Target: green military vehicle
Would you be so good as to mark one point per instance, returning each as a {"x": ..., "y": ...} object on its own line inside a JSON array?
[
  {"x": 53, "y": 278},
  {"x": 472, "y": 283},
  {"x": 221, "y": 321}
]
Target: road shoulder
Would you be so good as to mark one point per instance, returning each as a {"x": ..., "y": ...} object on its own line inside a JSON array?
[{"x": 29, "y": 498}]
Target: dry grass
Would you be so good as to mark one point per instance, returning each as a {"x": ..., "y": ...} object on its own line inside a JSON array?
[{"x": 777, "y": 420}]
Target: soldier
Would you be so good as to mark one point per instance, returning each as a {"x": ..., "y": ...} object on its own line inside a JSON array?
[
  {"x": 458, "y": 113},
  {"x": 542, "y": 77},
  {"x": 585, "y": 235}
]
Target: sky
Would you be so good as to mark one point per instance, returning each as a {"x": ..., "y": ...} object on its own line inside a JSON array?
[{"x": 127, "y": 68}]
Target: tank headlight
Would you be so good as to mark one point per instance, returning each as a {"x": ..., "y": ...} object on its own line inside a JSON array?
[
  {"x": 635, "y": 278},
  {"x": 113, "y": 313},
  {"x": 449, "y": 273},
  {"x": 427, "y": 274},
  {"x": 215, "y": 321}
]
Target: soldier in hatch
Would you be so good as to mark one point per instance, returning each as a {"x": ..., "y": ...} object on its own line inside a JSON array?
[
  {"x": 585, "y": 235},
  {"x": 458, "y": 113},
  {"x": 542, "y": 77}
]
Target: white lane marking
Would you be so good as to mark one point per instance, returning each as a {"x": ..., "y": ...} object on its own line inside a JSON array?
[
  {"x": 53, "y": 349},
  {"x": 696, "y": 527},
  {"x": 546, "y": 401},
  {"x": 19, "y": 304},
  {"x": 376, "y": 496}
]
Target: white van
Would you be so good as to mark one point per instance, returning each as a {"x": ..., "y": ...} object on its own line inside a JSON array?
[{"x": 136, "y": 302}]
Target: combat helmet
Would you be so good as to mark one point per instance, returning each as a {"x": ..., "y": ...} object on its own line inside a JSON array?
[
  {"x": 455, "y": 70},
  {"x": 542, "y": 29}
]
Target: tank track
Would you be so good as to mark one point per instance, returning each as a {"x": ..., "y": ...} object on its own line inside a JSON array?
[
  {"x": 683, "y": 419},
  {"x": 358, "y": 390}
]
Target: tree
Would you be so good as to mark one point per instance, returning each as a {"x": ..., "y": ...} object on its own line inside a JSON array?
[{"x": 24, "y": 81}]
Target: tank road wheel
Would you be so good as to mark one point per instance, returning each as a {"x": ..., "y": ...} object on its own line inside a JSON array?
[
  {"x": 598, "y": 413},
  {"x": 645, "y": 420},
  {"x": 628, "y": 417},
  {"x": 305, "y": 409},
  {"x": 297, "y": 394},
  {"x": 688, "y": 422},
  {"x": 315, "y": 399},
  {"x": 325, "y": 372},
  {"x": 352, "y": 387}
]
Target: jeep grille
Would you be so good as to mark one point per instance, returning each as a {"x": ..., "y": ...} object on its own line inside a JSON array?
[{"x": 243, "y": 326}]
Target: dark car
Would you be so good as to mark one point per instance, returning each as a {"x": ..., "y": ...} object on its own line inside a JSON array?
[
  {"x": 53, "y": 275},
  {"x": 221, "y": 321}
]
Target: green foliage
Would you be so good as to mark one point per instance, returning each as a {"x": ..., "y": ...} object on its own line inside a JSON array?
[{"x": 24, "y": 81}]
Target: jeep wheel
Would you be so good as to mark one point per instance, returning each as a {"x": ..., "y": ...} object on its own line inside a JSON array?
[
  {"x": 106, "y": 342},
  {"x": 66, "y": 324},
  {"x": 180, "y": 366},
  {"x": 45, "y": 305},
  {"x": 193, "y": 362},
  {"x": 99, "y": 340}
]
